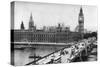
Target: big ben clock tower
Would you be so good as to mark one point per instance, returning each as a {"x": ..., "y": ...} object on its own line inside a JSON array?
[{"x": 81, "y": 21}]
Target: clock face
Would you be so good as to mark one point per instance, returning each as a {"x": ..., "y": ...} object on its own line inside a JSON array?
[{"x": 80, "y": 18}]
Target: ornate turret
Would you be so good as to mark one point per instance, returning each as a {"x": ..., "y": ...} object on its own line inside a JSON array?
[
  {"x": 22, "y": 26},
  {"x": 31, "y": 23}
]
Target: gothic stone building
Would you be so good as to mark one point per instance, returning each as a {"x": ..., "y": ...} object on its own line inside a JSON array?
[{"x": 34, "y": 35}]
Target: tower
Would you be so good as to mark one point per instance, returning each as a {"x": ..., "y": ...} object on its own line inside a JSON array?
[
  {"x": 31, "y": 23},
  {"x": 81, "y": 21},
  {"x": 22, "y": 26}
]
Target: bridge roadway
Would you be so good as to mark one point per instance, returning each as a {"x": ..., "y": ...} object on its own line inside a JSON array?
[{"x": 67, "y": 54}]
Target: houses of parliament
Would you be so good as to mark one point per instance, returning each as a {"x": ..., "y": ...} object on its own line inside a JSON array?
[{"x": 58, "y": 34}]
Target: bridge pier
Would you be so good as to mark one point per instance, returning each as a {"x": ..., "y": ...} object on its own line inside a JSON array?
[
  {"x": 80, "y": 57},
  {"x": 86, "y": 51},
  {"x": 83, "y": 55}
]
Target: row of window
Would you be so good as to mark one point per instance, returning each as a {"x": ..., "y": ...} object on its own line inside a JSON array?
[{"x": 43, "y": 35}]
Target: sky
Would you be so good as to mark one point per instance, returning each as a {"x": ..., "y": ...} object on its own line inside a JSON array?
[{"x": 46, "y": 14}]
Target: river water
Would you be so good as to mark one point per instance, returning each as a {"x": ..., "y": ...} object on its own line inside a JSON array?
[{"x": 21, "y": 56}]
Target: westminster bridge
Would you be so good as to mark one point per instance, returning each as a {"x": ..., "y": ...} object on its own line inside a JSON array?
[{"x": 67, "y": 54}]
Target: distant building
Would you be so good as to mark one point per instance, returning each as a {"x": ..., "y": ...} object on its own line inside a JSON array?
[{"x": 48, "y": 34}]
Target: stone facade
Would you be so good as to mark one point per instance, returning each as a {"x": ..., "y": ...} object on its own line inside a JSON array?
[{"x": 54, "y": 34}]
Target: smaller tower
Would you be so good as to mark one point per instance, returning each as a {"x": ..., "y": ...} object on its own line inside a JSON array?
[
  {"x": 31, "y": 23},
  {"x": 22, "y": 26}
]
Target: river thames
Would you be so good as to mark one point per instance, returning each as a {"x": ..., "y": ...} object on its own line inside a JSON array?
[{"x": 22, "y": 56}]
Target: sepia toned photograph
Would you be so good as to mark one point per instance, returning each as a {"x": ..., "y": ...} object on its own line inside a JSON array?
[{"x": 50, "y": 33}]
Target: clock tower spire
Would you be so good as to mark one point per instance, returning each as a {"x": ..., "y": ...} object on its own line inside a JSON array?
[{"x": 81, "y": 21}]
